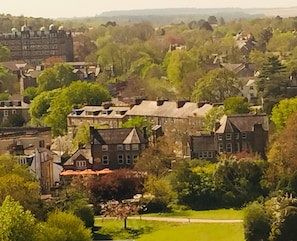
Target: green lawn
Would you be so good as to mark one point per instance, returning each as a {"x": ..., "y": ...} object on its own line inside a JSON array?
[
  {"x": 142, "y": 230},
  {"x": 206, "y": 214}
]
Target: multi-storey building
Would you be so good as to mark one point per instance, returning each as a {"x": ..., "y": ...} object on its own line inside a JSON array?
[
  {"x": 35, "y": 46},
  {"x": 233, "y": 134}
]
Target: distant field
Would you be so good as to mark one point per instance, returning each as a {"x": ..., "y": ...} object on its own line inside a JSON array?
[{"x": 142, "y": 230}]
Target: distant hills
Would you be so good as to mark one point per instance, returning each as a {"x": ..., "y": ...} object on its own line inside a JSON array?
[
  {"x": 283, "y": 12},
  {"x": 186, "y": 15},
  {"x": 177, "y": 15}
]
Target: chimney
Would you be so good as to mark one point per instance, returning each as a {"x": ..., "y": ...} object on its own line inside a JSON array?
[
  {"x": 180, "y": 103},
  {"x": 160, "y": 101},
  {"x": 144, "y": 132}
]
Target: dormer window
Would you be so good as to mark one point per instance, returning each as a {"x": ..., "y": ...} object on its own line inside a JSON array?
[
  {"x": 104, "y": 148},
  {"x": 243, "y": 135}
]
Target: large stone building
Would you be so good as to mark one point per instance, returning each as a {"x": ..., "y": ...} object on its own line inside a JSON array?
[
  {"x": 233, "y": 134},
  {"x": 35, "y": 46}
]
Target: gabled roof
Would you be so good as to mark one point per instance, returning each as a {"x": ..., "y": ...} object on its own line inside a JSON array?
[
  {"x": 242, "y": 123},
  {"x": 119, "y": 136},
  {"x": 80, "y": 154},
  {"x": 15, "y": 65}
]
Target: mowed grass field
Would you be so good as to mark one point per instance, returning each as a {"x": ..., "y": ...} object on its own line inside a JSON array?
[{"x": 143, "y": 230}]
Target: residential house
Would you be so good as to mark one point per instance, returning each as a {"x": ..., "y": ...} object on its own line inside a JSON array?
[
  {"x": 171, "y": 113},
  {"x": 233, "y": 134},
  {"x": 30, "y": 145},
  {"x": 116, "y": 148},
  {"x": 11, "y": 108},
  {"x": 12, "y": 138},
  {"x": 80, "y": 160},
  {"x": 104, "y": 115}
]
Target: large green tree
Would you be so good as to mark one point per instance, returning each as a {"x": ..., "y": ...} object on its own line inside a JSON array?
[
  {"x": 52, "y": 107},
  {"x": 273, "y": 83},
  {"x": 60, "y": 75},
  {"x": 216, "y": 86},
  {"x": 17, "y": 181},
  {"x": 16, "y": 223}
]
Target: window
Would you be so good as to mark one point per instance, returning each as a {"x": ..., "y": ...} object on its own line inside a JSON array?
[
  {"x": 105, "y": 160},
  {"x": 41, "y": 143},
  {"x": 104, "y": 147},
  {"x": 201, "y": 154},
  {"x": 228, "y": 136},
  {"x": 120, "y": 147},
  {"x": 237, "y": 147},
  {"x": 81, "y": 163},
  {"x": 128, "y": 159},
  {"x": 5, "y": 112},
  {"x": 135, "y": 147},
  {"x": 243, "y": 135},
  {"x": 127, "y": 147},
  {"x": 210, "y": 155},
  {"x": 229, "y": 147},
  {"x": 221, "y": 149},
  {"x": 135, "y": 158},
  {"x": 13, "y": 112},
  {"x": 220, "y": 137},
  {"x": 205, "y": 154},
  {"x": 120, "y": 159},
  {"x": 237, "y": 136}
]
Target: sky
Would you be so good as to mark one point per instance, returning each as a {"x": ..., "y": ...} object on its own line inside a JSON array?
[{"x": 88, "y": 8}]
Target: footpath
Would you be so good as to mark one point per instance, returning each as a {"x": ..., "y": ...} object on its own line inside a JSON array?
[{"x": 186, "y": 220}]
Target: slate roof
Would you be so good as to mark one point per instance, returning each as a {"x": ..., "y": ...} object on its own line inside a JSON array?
[
  {"x": 168, "y": 109},
  {"x": 119, "y": 136},
  {"x": 204, "y": 141},
  {"x": 242, "y": 123}
]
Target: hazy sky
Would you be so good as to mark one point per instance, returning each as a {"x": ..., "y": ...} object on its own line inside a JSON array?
[{"x": 79, "y": 8}]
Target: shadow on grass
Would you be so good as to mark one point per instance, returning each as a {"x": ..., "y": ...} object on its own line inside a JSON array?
[
  {"x": 129, "y": 233},
  {"x": 99, "y": 236}
]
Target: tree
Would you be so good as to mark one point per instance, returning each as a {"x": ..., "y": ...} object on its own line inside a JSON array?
[
  {"x": 121, "y": 210},
  {"x": 70, "y": 225},
  {"x": 194, "y": 185},
  {"x": 118, "y": 185},
  {"x": 4, "y": 53},
  {"x": 281, "y": 155},
  {"x": 156, "y": 160},
  {"x": 212, "y": 117},
  {"x": 137, "y": 122},
  {"x": 216, "y": 86},
  {"x": 236, "y": 105},
  {"x": 40, "y": 105},
  {"x": 8, "y": 81},
  {"x": 17, "y": 182},
  {"x": 158, "y": 194},
  {"x": 77, "y": 93},
  {"x": 239, "y": 180},
  {"x": 273, "y": 83},
  {"x": 212, "y": 20},
  {"x": 282, "y": 111},
  {"x": 59, "y": 75},
  {"x": 284, "y": 210},
  {"x": 256, "y": 222},
  {"x": 16, "y": 223}
]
